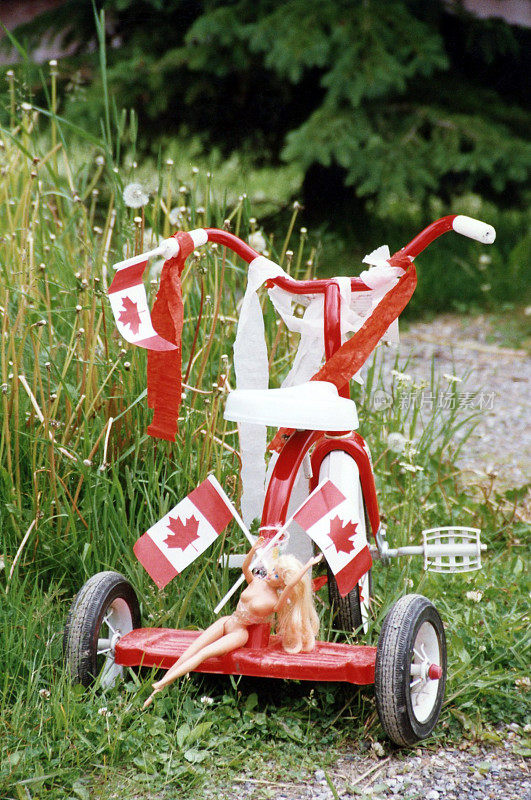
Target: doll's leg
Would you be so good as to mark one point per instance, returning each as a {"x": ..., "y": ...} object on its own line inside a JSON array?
[
  {"x": 228, "y": 643},
  {"x": 210, "y": 634}
]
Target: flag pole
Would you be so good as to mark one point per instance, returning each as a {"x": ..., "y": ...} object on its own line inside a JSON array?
[
  {"x": 218, "y": 487},
  {"x": 263, "y": 551}
]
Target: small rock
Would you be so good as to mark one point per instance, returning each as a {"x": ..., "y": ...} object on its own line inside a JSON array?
[{"x": 432, "y": 795}]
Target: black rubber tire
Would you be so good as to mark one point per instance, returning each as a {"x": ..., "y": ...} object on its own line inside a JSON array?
[
  {"x": 346, "y": 610},
  {"x": 393, "y": 664},
  {"x": 84, "y": 621}
]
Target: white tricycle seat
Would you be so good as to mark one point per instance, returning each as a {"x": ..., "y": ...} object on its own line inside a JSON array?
[{"x": 315, "y": 406}]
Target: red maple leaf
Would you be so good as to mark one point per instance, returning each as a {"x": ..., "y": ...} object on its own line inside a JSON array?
[
  {"x": 182, "y": 533},
  {"x": 341, "y": 533},
  {"x": 129, "y": 315}
]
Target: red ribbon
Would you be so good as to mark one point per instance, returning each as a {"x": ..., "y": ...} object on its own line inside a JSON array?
[
  {"x": 164, "y": 381},
  {"x": 351, "y": 356}
]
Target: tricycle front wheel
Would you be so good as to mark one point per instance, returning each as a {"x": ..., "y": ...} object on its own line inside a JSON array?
[
  {"x": 410, "y": 671},
  {"x": 104, "y": 610}
]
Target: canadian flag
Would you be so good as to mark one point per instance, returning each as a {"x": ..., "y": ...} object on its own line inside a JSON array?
[
  {"x": 185, "y": 532},
  {"x": 129, "y": 305},
  {"x": 329, "y": 518}
]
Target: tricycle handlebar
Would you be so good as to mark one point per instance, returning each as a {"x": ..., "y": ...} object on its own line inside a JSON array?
[{"x": 466, "y": 226}]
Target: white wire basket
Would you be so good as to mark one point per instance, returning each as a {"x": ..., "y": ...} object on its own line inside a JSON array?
[{"x": 452, "y": 549}]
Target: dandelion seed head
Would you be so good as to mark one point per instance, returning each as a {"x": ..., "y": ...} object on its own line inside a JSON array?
[
  {"x": 175, "y": 216},
  {"x": 135, "y": 196},
  {"x": 396, "y": 442},
  {"x": 257, "y": 241}
]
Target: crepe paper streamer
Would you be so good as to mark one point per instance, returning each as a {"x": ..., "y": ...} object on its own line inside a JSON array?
[
  {"x": 351, "y": 356},
  {"x": 164, "y": 382},
  {"x": 252, "y": 372},
  {"x": 127, "y": 296},
  {"x": 250, "y": 351}
]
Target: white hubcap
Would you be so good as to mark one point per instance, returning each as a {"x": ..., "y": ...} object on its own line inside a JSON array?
[
  {"x": 116, "y": 622},
  {"x": 423, "y": 689}
]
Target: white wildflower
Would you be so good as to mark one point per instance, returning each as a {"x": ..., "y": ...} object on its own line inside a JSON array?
[
  {"x": 44, "y": 693},
  {"x": 452, "y": 378},
  {"x": 475, "y": 596},
  {"x": 377, "y": 749},
  {"x": 485, "y": 258},
  {"x": 104, "y": 711},
  {"x": 257, "y": 241},
  {"x": 135, "y": 196},
  {"x": 401, "y": 377},
  {"x": 207, "y": 701},
  {"x": 396, "y": 442},
  {"x": 523, "y": 683},
  {"x": 410, "y": 467}
]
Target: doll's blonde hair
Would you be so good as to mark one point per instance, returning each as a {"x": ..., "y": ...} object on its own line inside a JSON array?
[{"x": 297, "y": 620}]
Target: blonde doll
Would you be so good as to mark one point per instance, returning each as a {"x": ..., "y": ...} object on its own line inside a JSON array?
[{"x": 281, "y": 591}]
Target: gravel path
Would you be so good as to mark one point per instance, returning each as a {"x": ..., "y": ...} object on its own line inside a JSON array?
[
  {"x": 466, "y": 773},
  {"x": 496, "y": 383}
]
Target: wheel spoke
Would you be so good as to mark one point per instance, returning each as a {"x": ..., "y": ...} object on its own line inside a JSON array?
[{"x": 106, "y": 621}]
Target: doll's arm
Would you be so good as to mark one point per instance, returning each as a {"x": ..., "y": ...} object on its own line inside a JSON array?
[
  {"x": 294, "y": 581},
  {"x": 248, "y": 575}
]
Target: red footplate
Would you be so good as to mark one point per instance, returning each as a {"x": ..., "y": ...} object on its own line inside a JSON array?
[{"x": 329, "y": 661}]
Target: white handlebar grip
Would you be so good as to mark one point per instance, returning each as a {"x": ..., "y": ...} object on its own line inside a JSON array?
[
  {"x": 474, "y": 229},
  {"x": 169, "y": 248}
]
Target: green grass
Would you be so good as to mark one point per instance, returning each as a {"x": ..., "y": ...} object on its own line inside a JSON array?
[{"x": 79, "y": 509}]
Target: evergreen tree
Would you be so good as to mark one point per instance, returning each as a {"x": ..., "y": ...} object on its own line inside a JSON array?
[{"x": 399, "y": 100}]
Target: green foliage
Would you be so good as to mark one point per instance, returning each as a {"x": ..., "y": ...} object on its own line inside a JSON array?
[
  {"x": 410, "y": 100},
  {"x": 70, "y": 505}
]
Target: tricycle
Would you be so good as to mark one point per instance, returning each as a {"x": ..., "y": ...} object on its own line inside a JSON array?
[{"x": 319, "y": 491}]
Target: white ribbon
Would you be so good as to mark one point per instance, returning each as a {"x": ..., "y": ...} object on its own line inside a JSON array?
[{"x": 251, "y": 358}]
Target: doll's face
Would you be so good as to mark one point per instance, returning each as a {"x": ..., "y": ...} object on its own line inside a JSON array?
[{"x": 273, "y": 578}]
